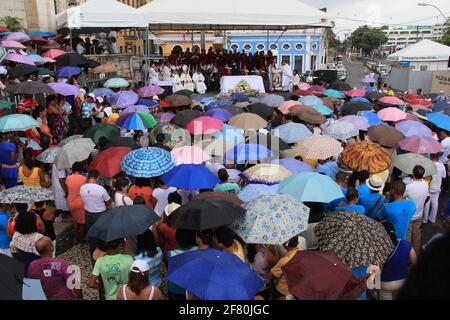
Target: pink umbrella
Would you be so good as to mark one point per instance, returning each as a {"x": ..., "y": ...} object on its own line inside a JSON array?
[
  {"x": 356, "y": 93},
  {"x": 53, "y": 53},
  {"x": 392, "y": 100},
  {"x": 19, "y": 59},
  {"x": 17, "y": 36},
  {"x": 150, "y": 91},
  {"x": 12, "y": 45},
  {"x": 303, "y": 86},
  {"x": 204, "y": 125},
  {"x": 285, "y": 106},
  {"x": 44, "y": 61},
  {"x": 392, "y": 114},
  {"x": 421, "y": 145},
  {"x": 360, "y": 122},
  {"x": 190, "y": 155}
]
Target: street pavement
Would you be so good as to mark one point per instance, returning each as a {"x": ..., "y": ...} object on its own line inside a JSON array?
[{"x": 355, "y": 71}]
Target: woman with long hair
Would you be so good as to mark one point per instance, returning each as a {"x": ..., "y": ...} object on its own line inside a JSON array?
[
  {"x": 30, "y": 173},
  {"x": 149, "y": 252},
  {"x": 56, "y": 120}
]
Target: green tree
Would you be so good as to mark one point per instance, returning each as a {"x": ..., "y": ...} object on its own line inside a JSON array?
[
  {"x": 12, "y": 23},
  {"x": 368, "y": 39}
]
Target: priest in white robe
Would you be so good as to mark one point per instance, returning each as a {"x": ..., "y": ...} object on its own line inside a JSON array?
[
  {"x": 287, "y": 76},
  {"x": 176, "y": 80},
  {"x": 199, "y": 81},
  {"x": 186, "y": 79}
]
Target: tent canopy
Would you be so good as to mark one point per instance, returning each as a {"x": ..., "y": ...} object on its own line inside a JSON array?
[
  {"x": 233, "y": 15},
  {"x": 100, "y": 15},
  {"x": 425, "y": 50}
]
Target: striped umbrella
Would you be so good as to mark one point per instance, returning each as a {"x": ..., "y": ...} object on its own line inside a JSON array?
[{"x": 136, "y": 121}]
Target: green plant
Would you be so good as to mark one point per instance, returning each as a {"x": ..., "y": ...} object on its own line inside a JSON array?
[{"x": 12, "y": 23}]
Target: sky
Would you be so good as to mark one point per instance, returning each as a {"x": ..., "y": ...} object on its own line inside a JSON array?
[{"x": 384, "y": 11}]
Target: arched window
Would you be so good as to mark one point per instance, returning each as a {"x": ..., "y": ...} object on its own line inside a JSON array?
[
  {"x": 260, "y": 46},
  {"x": 234, "y": 46},
  {"x": 299, "y": 46},
  {"x": 177, "y": 49},
  {"x": 247, "y": 47},
  {"x": 286, "y": 46},
  {"x": 273, "y": 46}
]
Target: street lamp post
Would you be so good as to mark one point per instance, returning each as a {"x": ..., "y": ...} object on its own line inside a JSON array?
[{"x": 424, "y": 4}]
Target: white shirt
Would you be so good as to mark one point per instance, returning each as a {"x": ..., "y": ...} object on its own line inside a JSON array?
[
  {"x": 445, "y": 150},
  {"x": 161, "y": 196},
  {"x": 234, "y": 175},
  {"x": 94, "y": 197},
  {"x": 437, "y": 178},
  {"x": 122, "y": 200},
  {"x": 154, "y": 76},
  {"x": 417, "y": 191},
  {"x": 81, "y": 49}
]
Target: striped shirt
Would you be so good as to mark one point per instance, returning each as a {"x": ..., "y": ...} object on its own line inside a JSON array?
[{"x": 154, "y": 277}]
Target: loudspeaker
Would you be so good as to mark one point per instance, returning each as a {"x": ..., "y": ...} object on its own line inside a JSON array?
[{"x": 328, "y": 76}]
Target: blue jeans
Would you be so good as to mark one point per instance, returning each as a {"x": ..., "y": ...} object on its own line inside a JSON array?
[{"x": 91, "y": 219}]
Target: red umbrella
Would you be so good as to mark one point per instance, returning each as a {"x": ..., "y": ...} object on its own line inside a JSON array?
[
  {"x": 4, "y": 29},
  {"x": 419, "y": 102},
  {"x": 313, "y": 275},
  {"x": 302, "y": 93},
  {"x": 204, "y": 125},
  {"x": 356, "y": 93},
  {"x": 53, "y": 53},
  {"x": 38, "y": 39},
  {"x": 107, "y": 163},
  {"x": 420, "y": 145}
]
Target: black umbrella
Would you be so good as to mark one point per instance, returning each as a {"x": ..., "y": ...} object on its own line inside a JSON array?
[
  {"x": 123, "y": 221},
  {"x": 353, "y": 107},
  {"x": 92, "y": 63},
  {"x": 11, "y": 278},
  {"x": 184, "y": 92},
  {"x": 262, "y": 110},
  {"x": 375, "y": 95},
  {"x": 205, "y": 214},
  {"x": 72, "y": 59},
  {"x": 269, "y": 141},
  {"x": 123, "y": 142},
  {"x": 33, "y": 87},
  {"x": 184, "y": 117},
  {"x": 285, "y": 95},
  {"x": 340, "y": 86},
  {"x": 234, "y": 110},
  {"x": 45, "y": 72},
  {"x": 22, "y": 70}
]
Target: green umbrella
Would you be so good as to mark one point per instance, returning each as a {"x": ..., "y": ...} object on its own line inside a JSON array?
[
  {"x": 6, "y": 105},
  {"x": 407, "y": 162},
  {"x": 109, "y": 131},
  {"x": 17, "y": 122},
  {"x": 116, "y": 83}
]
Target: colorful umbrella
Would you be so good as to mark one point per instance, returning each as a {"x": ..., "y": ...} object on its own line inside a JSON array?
[
  {"x": 25, "y": 194},
  {"x": 407, "y": 162},
  {"x": 441, "y": 106},
  {"x": 165, "y": 118},
  {"x": 17, "y": 36},
  {"x": 190, "y": 155},
  {"x": 292, "y": 132},
  {"x": 253, "y": 191},
  {"x": 360, "y": 122},
  {"x": 317, "y": 89},
  {"x": 184, "y": 117},
  {"x": 29, "y": 143},
  {"x": 67, "y": 72},
  {"x": 6, "y": 105},
  {"x": 178, "y": 100},
  {"x": 174, "y": 135},
  {"x": 392, "y": 114},
  {"x": 35, "y": 57},
  {"x": 365, "y": 155},
  {"x": 266, "y": 173},
  {"x": 304, "y": 86},
  {"x": 323, "y": 110},
  {"x": 439, "y": 120},
  {"x": 342, "y": 130},
  {"x": 136, "y": 121},
  {"x": 334, "y": 93},
  {"x": 204, "y": 125},
  {"x": 14, "y": 57},
  {"x": 190, "y": 177},
  {"x": 361, "y": 99},
  {"x": 214, "y": 275},
  {"x": 44, "y": 61},
  {"x": 220, "y": 114},
  {"x": 74, "y": 151},
  {"x": 150, "y": 91},
  {"x": 136, "y": 108},
  {"x": 106, "y": 130},
  {"x": 53, "y": 53},
  {"x": 311, "y": 187},
  {"x": 420, "y": 144},
  {"x": 320, "y": 147},
  {"x": 230, "y": 133},
  {"x": 107, "y": 162},
  {"x": 12, "y": 45},
  {"x": 17, "y": 122},
  {"x": 247, "y": 152},
  {"x": 44, "y": 34},
  {"x": 69, "y": 139},
  {"x": 272, "y": 100},
  {"x": 293, "y": 165},
  {"x": 248, "y": 121},
  {"x": 147, "y": 163},
  {"x": 371, "y": 117},
  {"x": 314, "y": 275},
  {"x": 285, "y": 106},
  {"x": 310, "y": 101},
  {"x": 302, "y": 93},
  {"x": 356, "y": 93},
  {"x": 391, "y": 101},
  {"x": 355, "y": 238},
  {"x": 123, "y": 99},
  {"x": 272, "y": 220},
  {"x": 148, "y": 103},
  {"x": 49, "y": 155},
  {"x": 386, "y": 136},
  {"x": 116, "y": 83},
  {"x": 64, "y": 89},
  {"x": 340, "y": 86},
  {"x": 103, "y": 92},
  {"x": 411, "y": 128},
  {"x": 38, "y": 39}
]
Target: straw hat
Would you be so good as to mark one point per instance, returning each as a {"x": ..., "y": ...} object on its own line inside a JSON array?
[
  {"x": 375, "y": 183},
  {"x": 170, "y": 208}
]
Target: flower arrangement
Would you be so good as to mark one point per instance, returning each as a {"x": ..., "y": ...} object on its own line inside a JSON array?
[{"x": 242, "y": 87}]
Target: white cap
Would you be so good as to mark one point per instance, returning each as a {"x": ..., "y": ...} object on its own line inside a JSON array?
[
  {"x": 91, "y": 95},
  {"x": 155, "y": 98},
  {"x": 3, "y": 70},
  {"x": 139, "y": 266},
  {"x": 108, "y": 111}
]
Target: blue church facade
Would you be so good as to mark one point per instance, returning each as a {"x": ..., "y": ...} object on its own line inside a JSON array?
[{"x": 302, "y": 52}]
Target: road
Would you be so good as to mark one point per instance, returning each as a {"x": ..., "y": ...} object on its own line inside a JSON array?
[{"x": 355, "y": 72}]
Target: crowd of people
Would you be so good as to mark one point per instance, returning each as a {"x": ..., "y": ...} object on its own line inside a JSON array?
[{"x": 134, "y": 267}]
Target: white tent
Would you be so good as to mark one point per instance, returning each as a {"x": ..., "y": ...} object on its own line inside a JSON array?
[
  {"x": 100, "y": 15},
  {"x": 233, "y": 15},
  {"x": 425, "y": 50}
]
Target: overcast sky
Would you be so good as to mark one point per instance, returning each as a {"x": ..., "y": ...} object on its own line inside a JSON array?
[{"x": 385, "y": 11}]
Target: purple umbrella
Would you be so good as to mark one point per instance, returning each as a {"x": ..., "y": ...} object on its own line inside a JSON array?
[
  {"x": 150, "y": 91},
  {"x": 317, "y": 89},
  {"x": 360, "y": 122},
  {"x": 136, "y": 108},
  {"x": 64, "y": 88},
  {"x": 67, "y": 72},
  {"x": 124, "y": 99},
  {"x": 411, "y": 128},
  {"x": 293, "y": 165},
  {"x": 14, "y": 57},
  {"x": 421, "y": 145},
  {"x": 221, "y": 114},
  {"x": 17, "y": 36},
  {"x": 165, "y": 117}
]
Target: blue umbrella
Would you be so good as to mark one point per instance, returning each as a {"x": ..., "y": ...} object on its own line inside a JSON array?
[
  {"x": 360, "y": 99},
  {"x": 230, "y": 133},
  {"x": 439, "y": 120},
  {"x": 32, "y": 290},
  {"x": 147, "y": 163},
  {"x": 147, "y": 103},
  {"x": 292, "y": 132},
  {"x": 123, "y": 99},
  {"x": 253, "y": 191},
  {"x": 42, "y": 34},
  {"x": 35, "y": 57},
  {"x": 311, "y": 187},
  {"x": 190, "y": 177},
  {"x": 29, "y": 143},
  {"x": 273, "y": 100},
  {"x": 214, "y": 275},
  {"x": 247, "y": 152},
  {"x": 116, "y": 83},
  {"x": 103, "y": 92},
  {"x": 322, "y": 109},
  {"x": 218, "y": 104},
  {"x": 239, "y": 96},
  {"x": 371, "y": 117},
  {"x": 310, "y": 101},
  {"x": 333, "y": 93},
  {"x": 411, "y": 128},
  {"x": 294, "y": 165},
  {"x": 17, "y": 122},
  {"x": 67, "y": 72},
  {"x": 221, "y": 114},
  {"x": 441, "y": 106}
]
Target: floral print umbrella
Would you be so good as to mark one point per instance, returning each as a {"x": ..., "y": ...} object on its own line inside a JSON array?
[
  {"x": 49, "y": 155},
  {"x": 25, "y": 194},
  {"x": 355, "y": 238},
  {"x": 69, "y": 139},
  {"x": 319, "y": 147},
  {"x": 272, "y": 219},
  {"x": 266, "y": 173},
  {"x": 147, "y": 163}
]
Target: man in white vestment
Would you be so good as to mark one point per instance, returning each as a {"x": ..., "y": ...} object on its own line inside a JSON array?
[{"x": 287, "y": 76}]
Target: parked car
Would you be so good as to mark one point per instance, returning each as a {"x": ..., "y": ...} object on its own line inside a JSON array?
[
  {"x": 307, "y": 76},
  {"x": 342, "y": 74}
]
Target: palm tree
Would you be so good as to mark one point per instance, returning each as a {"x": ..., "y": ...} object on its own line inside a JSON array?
[{"x": 12, "y": 23}]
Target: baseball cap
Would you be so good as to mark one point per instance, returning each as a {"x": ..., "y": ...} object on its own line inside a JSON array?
[
  {"x": 139, "y": 266},
  {"x": 91, "y": 95}
]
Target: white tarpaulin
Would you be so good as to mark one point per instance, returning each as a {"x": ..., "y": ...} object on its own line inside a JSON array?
[
  {"x": 98, "y": 15},
  {"x": 425, "y": 50},
  {"x": 233, "y": 15}
]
